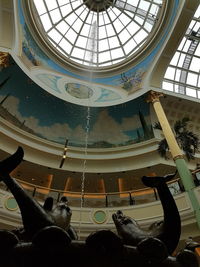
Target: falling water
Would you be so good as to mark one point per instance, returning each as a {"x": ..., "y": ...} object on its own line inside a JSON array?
[{"x": 92, "y": 48}]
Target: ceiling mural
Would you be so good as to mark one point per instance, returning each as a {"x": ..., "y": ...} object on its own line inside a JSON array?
[
  {"x": 47, "y": 115},
  {"x": 70, "y": 90},
  {"x": 129, "y": 81},
  {"x": 107, "y": 95},
  {"x": 79, "y": 91},
  {"x": 32, "y": 109},
  {"x": 133, "y": 81},
  {"x": 124, "y": 84},
  {"x": 50, "y": 80}
]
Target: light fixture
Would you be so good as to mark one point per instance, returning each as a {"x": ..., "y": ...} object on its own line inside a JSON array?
[{"x": 64, "y": 154}]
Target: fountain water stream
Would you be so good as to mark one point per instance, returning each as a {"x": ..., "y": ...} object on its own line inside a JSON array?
[{"x": 92, "y": 47}]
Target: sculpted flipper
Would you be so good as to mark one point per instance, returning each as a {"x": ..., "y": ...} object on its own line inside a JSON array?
[
  {"x": 49, "y": 234},
  {"x": 168, "y": 230},
  {"x": 9, "y": 164}
]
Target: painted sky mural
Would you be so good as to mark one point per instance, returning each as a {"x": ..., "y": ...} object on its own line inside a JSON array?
[
  {"x": 34, "y": 110},
  {"x": 111, "y": 89},
  {"x": 131, "y": 80}
]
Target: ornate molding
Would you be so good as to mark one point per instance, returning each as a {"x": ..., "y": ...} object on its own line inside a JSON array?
[
  {"x": 154, "y": 96},
  {"x": 4, "y": 59}
]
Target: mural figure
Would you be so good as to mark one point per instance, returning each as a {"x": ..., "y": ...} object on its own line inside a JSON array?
[
  {"x": 42, "y": 114},
  {"x": 79, "y": 90},
  {"x": 47, "y": 238},
  {"x": 132, "y": 82}
]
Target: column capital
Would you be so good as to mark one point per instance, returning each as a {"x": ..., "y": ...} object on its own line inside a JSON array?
[
  {"x": 154, "y": 96},
  {"x": 4, "y": 59}
]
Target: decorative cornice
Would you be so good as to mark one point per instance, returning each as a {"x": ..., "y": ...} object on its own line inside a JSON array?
[
  {"x": 4, "y": 59},
  {"x": 154, "y": 96}
]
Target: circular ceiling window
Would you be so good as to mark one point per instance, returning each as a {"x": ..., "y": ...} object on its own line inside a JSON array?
[{"x": 97, "y": 33}]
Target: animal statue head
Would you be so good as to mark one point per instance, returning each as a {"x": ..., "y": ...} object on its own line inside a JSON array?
[
  {"x": 60, "y": 212},
  {"x": 50, "y": 239}
]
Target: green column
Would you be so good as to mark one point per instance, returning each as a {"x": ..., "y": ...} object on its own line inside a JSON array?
[
  {"x": 188, "y": 183},
  {"x": 184, "y": 172}
]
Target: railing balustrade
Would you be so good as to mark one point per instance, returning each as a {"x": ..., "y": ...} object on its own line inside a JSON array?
[{"x": 114, "y": 199}]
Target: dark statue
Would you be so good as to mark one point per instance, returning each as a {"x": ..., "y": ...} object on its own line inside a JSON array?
[
  {"x": 47, "y": 239},
  {"x": 168, "y": 230}
]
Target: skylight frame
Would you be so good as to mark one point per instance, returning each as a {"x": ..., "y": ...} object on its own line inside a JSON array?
[
  {"x": 100, "y": 60},
  {"x": 181, "y": 77}
]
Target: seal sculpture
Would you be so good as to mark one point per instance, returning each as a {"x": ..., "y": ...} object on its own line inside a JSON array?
[
  {"x": 48, "y": 239},
  {"x": 48, "y": 215},
  {"x": 168, "y": 230}
]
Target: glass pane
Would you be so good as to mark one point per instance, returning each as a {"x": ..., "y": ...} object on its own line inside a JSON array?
[
  {"x": 123, "y": 23},
  {"x": 192, "y": 79}
]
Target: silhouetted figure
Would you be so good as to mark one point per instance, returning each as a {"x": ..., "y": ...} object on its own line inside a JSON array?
[
  {"x": 168, "y": 230},
  {"x": 48, "y": 215},
  {"x": 49, "y": 236}
]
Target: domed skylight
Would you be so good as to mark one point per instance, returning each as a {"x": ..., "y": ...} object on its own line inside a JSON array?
[{"x": 97, "y": 32}]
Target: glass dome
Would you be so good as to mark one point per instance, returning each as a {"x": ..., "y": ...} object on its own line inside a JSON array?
[{"x": 96, "y": 33}]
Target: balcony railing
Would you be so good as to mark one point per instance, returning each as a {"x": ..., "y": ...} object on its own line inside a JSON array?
[{"x": 114, "y": 199}]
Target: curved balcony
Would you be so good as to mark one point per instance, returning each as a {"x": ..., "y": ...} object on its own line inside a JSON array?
[
  {"x": 97, "y": 209},
  {"x": 98, "y": 200}
]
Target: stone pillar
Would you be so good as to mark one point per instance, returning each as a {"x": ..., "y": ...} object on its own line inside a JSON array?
[{"x": 184, "y": 172}]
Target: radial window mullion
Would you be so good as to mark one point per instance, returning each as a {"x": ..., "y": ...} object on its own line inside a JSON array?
[
  {"x": 144, "y": 16},
  {"x": 48, "y": 6},
  {"x": 136, "y": 12},
  {"x": 80, "y": 30},
  {"x": 53, "y": 24},
  {"x": 125, "y": 27},
  {"x": 48, "y": 16},
  {"x": 117, "y": 36},
  {"x": 97, "y": 38},
  {"x": 69, "y": 29},
  {"x": 73, "y": 10},
  {"x": 107, "y": 36},
  {"x": 145, "y": 21},
  {"x": 63, "y": 36},
  {"x": 70, "y": 18},
  {"x": 88, "y": 39},
  {"x": 122, "y": 11},
  {"x": 59, "y": 9}
]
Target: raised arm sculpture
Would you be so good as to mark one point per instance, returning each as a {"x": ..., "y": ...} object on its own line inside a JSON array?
[
  {"x": 34, "y": 216},
  {"x": 48, "y": 240},
  {"x": 168, "y": 230}
]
